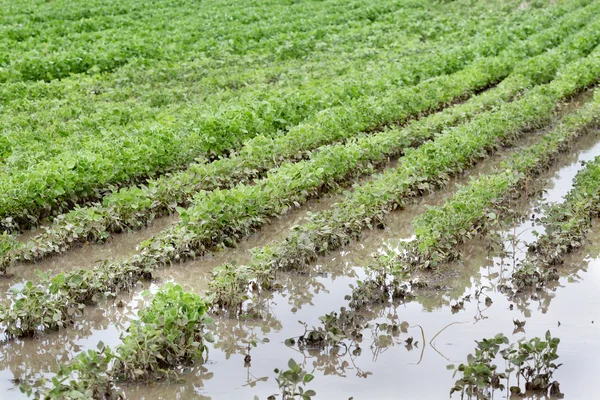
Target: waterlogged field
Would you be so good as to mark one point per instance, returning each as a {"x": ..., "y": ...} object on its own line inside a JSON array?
[{"x": 304, "y": 199}]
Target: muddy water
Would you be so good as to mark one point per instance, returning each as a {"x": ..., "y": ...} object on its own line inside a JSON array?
[
  {"x": 389, "y": 367},
  {"x": 384, "y": 369},
  {"x": 118, "y": 248},
  {"x": 277, "y": 230}
]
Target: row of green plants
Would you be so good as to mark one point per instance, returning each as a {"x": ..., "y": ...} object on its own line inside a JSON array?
[
  {"x": 565, "y": 228},
  {"x": 168, "y": 333},
  {"x": 72, "y": 175},
  {"x": 567, "y": 223},
  {"x": 172, "y": 84},
  {"x": 476, "y": 207},
  {"x": 80, "y": 168},
  {"x": 399, "y": 34},
  {"x": 93, "y": 49},
  {"x": 389, "y": 46},
  {"x": 132, "y": 208},
  {"x": 421, "y": 170},
  {"x": 468, "y": 142},
  {"x": 222, "y": 216},
  {"x": 221, "y": 31},
  {"x": 55, "y": 299}
]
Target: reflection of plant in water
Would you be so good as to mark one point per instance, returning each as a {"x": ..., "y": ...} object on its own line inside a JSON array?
[
  {"x": 46, "y": 353},
  {"x": 533, "y": 361},
  {"x": 339, "y": 340},
  {"x": 233, "y": 336},
  {"x": 243, "y": 292}
]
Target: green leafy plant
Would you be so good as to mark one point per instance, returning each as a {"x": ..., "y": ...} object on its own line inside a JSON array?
[
  {"x": 292, "y": 381},
  {"x": 167, "y": 334},
  {"x": 531, "y": 360}
]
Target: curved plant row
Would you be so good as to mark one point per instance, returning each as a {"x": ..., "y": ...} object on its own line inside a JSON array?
[
  {"x": 133, "y": 208},
  {"x": 169, "y": 84},
  {"x": 419, "y": 171},
  {"x": 566, "y": 226},
  {"x": 60, "y": 296},
  {"x": 477, "y": 205},
  {"x": 224, "y": 215},
  {"x": 186, "y": 75},
  {"x": 69, "y": 177},
  {"x": 230, "y": 214},
  {"x": 469, "y": 212},
  {"x": 221, "y": 218},
  {"x": 163, "y": 92},
  {"x": 94, "y": 49},
  {"x": 167, "y": 334}
]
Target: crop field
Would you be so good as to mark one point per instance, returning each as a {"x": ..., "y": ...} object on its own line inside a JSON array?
[{"x": 299, "y": 199}]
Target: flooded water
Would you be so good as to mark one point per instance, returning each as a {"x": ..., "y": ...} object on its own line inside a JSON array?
[
  {"x": 388, "y": 367},
  {"x": 118, "y": 248}
]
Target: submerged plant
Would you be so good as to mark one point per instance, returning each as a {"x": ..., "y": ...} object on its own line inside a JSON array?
[{"x": 479, "y": 374}]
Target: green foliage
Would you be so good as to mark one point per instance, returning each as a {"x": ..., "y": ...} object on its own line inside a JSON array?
[
  {"x": 532, "y": 361},
  {"x": 133, "y": 207},
  {"x": 168, "y": 333},
  {"x": 567, "y": 224},
  {"x": 478, "y": 206},
  {"x": 424, "y": 168},
  {"x": 161, "y": 109},
  {"x": 219, "y": 218}
]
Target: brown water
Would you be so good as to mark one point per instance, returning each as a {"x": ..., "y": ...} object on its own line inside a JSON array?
[
  {"x": 386, "y": 369},
  {"x": 390, "y": 369},
  {"x": 118, "y": 248}
]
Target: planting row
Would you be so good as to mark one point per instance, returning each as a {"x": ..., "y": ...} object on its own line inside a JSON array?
[
  {"x": 217, "y": 31},
  {"x": 159, "y": 144},
  {"x": 419, "y": 171},
  {"x": 224, "y": 216},
  {"x": 132, "y": 208},
  {"x": 81, "y": 167},
  {"x": 472, "y": 210},
  {"x": 476, "y": 207},
  {"x": 567, "y": 224},
  {"x": 107, "y": 48},
  {"x": 196, "y": 78},
  {"x": 53, "y": 299},
  {"x": 167, "y": 334},
  {"x": 387, "y": 39}
]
